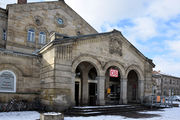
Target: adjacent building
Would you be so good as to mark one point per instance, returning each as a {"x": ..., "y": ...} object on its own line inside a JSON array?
[
  {"x": 48, "y": 51},
  {"x": 165, "y": 85}
]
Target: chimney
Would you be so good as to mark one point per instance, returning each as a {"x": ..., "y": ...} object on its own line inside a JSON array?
[{"x": 22, "y": 1}]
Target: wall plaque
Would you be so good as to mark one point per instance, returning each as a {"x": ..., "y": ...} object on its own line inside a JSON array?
[{"x": 7, "y": 81}]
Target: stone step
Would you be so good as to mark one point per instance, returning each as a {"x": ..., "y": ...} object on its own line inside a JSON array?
[{"x": 103, "y": 110}]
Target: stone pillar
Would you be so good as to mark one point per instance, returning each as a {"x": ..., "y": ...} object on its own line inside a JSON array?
[
  {"x": 123, "y": 93},
  {"x": 51, "y": 116},
  {"x": 100, "y": 90},
  {"x": 140, "y": 90},
  {"x": 73, "y": 88},
  {"x": 85, "y": 87}
]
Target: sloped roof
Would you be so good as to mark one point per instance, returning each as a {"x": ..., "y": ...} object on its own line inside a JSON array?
[
  {"x": 61, "y": 39},
  {"x": 159, "y": 73}
]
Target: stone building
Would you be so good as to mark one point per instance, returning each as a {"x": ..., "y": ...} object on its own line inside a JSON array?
[
  {"x": 49, "y": 51},
  {"x": 165, "y": 85}
]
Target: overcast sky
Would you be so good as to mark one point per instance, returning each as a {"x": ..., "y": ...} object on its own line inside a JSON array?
[{"x": 152, "y": 26}]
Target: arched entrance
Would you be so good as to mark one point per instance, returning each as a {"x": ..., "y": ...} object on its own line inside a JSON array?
[
  {"x": 132, "y": 87},
  {"x": 112, "y": 85},
  {"x": 85, "y": 84}
]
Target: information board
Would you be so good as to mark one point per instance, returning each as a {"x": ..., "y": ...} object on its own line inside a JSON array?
[{"x": 7, "y": 81}]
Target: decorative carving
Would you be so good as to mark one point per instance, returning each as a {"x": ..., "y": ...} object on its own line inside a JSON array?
[
  {"x": 103, "y": 63},
  {"x": 115, "y": 46},
  {"x": 38, "y": 20}
]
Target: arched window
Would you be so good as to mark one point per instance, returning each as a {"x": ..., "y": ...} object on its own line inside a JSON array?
[
  {"x": 31, "y": 35},
  {"x": 4, "y": 34},
  {"x": 42, "y": 38},
  {"x": 7, "y": 81}
]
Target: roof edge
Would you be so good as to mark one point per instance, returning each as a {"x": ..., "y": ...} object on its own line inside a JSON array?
[
  {"x": 63, "y": 40},
  {"x": 18, "y": 53}
]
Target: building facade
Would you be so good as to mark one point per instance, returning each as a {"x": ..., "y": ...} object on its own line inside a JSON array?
[
  {"x": 165, "y": 85},
  {"x": 49, "y": 51}
]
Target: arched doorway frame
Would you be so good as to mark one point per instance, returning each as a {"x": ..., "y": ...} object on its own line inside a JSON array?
[
  {"x": 140, "y": 75},
  {"x": 123, "y": 82},
  {"x": 116, "y": 64},
  {"x": 95, "y": 63},
  {"x": 87, "y": 58}
]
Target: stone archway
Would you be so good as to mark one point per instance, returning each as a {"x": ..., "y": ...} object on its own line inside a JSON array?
[
  {"x": 96, "y": 80},
  {"x": 85, "y": 84},
  {"x": 132, "y": 86},
  {"x": 135, "y": 84},
  {"x": 112, "y": 86},
  {"x": 120, "y": 86},
  {"x": 87, "y": 58}
]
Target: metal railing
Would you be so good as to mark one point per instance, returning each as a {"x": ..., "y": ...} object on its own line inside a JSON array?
[{"x": 160, "y": 101}]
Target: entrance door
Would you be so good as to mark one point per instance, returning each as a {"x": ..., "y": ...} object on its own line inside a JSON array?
[
  {"x": 77, "y": 93},
  {"x": 92, "y": 93},
  {"x": 134, "y": 92},
  {"x": 132, "y": 86},
  {"x": 115, "y": 93}
]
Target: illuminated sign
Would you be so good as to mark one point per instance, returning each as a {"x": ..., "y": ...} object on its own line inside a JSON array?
[{"x": 113, "y": 73}]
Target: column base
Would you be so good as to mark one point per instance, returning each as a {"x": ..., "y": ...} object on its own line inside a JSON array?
[
  {"x": 123, "y": 101},
  {"x": 101, "y": 102}
]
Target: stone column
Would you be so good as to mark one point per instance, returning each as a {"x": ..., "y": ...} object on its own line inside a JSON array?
[
  {"x": 73, "y": 88},
  {"x": 85, "y": 87},
  {"x": 140, "y": 90},
  {"x": 100, "y": 90},
  {"x": 123, "y": 93}
]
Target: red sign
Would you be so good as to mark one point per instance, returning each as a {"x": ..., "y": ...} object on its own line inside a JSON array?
[{"x": 113, "y": 73}]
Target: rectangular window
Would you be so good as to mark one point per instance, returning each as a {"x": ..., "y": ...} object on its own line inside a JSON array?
[
  {"x": 42, "y": 38},
  {"x": 4, "y": 34},
  {"x": 31, "y": 35}
]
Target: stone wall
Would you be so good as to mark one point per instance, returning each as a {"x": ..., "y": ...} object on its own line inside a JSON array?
[
  {"x": 63, "y": 57},
  {"x": 98, "y": 47},
  {"x": 52, "y": 72},
  {"x": 42, "y": 17},
  {"x": 124, "y": 55},
  {"x": 3, "y": 26},
  {"x": 26, "y": 70},
  {"x": 56, "y": 78}
]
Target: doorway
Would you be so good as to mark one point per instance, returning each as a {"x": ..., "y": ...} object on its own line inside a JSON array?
[
  {"x": 112, "y": 85},
  {"x": 92, "y": 94},
  {"x": 77, "y": 93},
  {"x": 85, "y": 84},
  {"x": 132, "y": 86}
]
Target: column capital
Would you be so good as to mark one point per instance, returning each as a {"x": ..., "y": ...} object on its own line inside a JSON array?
[
  {"x": 100, "y": 77},
  {"x": 124, "y": 79},
  {"x": 141, "y": 81}
]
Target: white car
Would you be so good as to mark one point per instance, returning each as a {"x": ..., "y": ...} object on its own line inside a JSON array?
[{"x": 176, "y": 98}]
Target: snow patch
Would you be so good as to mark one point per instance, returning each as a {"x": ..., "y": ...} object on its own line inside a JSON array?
[
  {"x": 52, "y": 113},
  {"x": 31, "y": 115},
  {"x": 101, "y": 106}
]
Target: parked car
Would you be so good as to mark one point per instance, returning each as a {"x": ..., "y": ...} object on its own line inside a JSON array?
[{"x": 176, "y": 98}]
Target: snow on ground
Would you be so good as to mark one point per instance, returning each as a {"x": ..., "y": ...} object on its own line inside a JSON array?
[
  {"x": 102, "y": 106},
  {"x": 31, "y": 115},
  {"x": 165, "y": 114}
]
